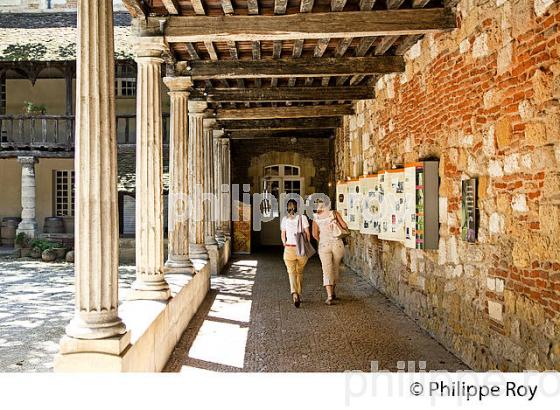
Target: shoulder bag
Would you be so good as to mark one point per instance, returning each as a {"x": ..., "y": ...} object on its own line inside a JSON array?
[
  {"x": 338, "y": 231},
  {"x": 303, "y": 246}
]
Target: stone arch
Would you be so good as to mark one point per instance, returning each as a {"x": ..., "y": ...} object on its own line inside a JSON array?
[{"x": 306, "y": 165}]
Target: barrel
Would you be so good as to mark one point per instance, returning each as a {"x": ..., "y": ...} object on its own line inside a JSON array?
[
  {"x": 9, "y": 228},
  {"x": 53, "y": 224}
]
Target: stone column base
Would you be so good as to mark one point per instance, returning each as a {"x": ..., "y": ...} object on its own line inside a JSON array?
[
  {"x": 137, "y": 294},
  {"x": 213, "y": 252},
  {"x": 220, "y": 236},
  {"x": 198, "y": 252},
  {"x": 179, "y": 266},
  {"x": 142, "y": 290},
  {"x": 97, "y": 355},
  {"x": 29, "y": 228}
]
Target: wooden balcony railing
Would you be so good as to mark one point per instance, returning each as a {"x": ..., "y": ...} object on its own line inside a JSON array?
[{"x": 57, "y": 131}]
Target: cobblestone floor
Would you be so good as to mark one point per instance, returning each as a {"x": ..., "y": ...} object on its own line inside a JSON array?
[
  {"x": 247, "y": 323},
  {"x": 36, "y": 303}
]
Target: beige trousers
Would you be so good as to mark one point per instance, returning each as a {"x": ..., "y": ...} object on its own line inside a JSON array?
[
  {"x": 331, "y": 254},
  {"x": 294, "y": 265}
]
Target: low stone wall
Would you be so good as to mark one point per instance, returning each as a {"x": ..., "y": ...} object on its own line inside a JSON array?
[
  {"x": 154, "y": 327},
  {"x": 151, "y": 350},
  {"x": 485, "y": 100}
]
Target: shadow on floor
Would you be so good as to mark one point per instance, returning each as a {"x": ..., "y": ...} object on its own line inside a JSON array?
[{"x": 248, "y": 324}]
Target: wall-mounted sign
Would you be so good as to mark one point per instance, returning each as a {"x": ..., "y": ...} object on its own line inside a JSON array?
[
  {"x": 341, "y": 199},
  {"x": 398, "y": 205},
  {"x": 468, "y": 210},
  {"x": 354, "y": 197},
  {"x": 372, "y": 201}
]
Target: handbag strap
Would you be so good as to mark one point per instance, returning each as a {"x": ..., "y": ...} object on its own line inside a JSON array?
[{"x": 299, "y": 225}]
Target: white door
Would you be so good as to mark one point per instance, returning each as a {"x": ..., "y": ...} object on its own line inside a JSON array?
[{"x": 279, "y": 179}]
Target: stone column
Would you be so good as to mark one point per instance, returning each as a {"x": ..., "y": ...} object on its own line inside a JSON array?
[
  {"x": 28, "y": 224},
  {"x": 209, "y": 184},
  {"x": 196, "y": 181},
  {"x": 219, "y": 178},
  {"x": 96, "y": 215},
  {"x": 227, "y": 183},
  {"x": 178, "y": 229},
  {"x": 150, "y": 281}
]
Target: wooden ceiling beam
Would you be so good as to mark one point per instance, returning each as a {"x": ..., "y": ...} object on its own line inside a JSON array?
[
  {"x": 227, "y": 6},
  {"x": 293, "y": 67},
  {"x": 136, "y": 8},
  {"x": 281, "y": 94},
  {"x": 281, "y": 124},
  {"x": 260, "y": 113},
  {"x": 183, "y": 29},
  {"x": 242, "y": 135},
  {"x": 198, "y": 7},
  {"x": 253, "y": 7},
  {"x": 172, "y": 6}
]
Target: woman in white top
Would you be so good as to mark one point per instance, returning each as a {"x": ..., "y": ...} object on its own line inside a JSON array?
[
  {"x": 294, "y": 263},
  {"x": 331, "y": 249}
]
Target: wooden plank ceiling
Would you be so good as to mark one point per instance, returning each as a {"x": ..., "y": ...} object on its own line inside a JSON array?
[{"x": 287, "y": 64}]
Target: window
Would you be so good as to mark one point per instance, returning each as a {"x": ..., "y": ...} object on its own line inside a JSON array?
[
  {"x": 289, "y": 170},
  {"x": 64, "y": 193},
  {"x": 2, "y": 95},
  {"x": 278, "y": 180},
  {"x": 281, "y": 170},
  {"x": 292, "y": 187},
  {"x": 3, "y": 130},
  {"x": 125, "y": 81},
  {"x": 272, "y": 170}
]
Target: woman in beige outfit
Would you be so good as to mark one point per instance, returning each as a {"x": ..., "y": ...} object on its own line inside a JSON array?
[
  {"x": 331, "y": 249},
  {"x": 290, "y": 226}
]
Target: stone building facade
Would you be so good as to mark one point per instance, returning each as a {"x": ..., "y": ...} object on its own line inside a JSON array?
[
  {"x": 45, "y": 5},
  {"x": 315, "y": 155},
  {"x": 484, "y": 99}
]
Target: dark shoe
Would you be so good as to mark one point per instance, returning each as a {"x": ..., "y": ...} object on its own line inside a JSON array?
[
  {"x": 334, "y": 296},
  {"x": 297, "y": 300}
]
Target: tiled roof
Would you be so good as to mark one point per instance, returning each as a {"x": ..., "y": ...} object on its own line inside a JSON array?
[{"x": 52, "y": 36}]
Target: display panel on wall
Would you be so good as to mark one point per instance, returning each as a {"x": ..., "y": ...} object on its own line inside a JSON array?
[
  {"x": 397, "y": 205},
  {"x": 341, "y": 200},
  {"x": 469, "y": 210},
  {"x": 354, "y": 197},
  {"x": 373, "y": 196}
]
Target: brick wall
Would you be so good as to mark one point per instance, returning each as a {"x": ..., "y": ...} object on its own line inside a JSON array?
[{"x": 485, "y": 100}]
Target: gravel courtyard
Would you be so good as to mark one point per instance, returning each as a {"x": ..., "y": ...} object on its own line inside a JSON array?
[{"x": 36, "y": 303}]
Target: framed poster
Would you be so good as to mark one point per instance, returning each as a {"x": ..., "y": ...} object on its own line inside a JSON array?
[
  {"x": 342, "y": 200},
  {"x": 371, "y": 205},
  {"x": 392, "y": 227},
  {"x": 354, "y": 204}
]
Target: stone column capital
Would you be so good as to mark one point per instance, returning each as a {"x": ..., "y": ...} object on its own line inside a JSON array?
[
  {"x": 197, "y": 107},
  {"x": 178, "y": 84},
  {"x": 150, "y": 47},
  {"x": 218, "y": 134},
  {"x": 209, "y": 124},
  {"x": 28, "y": 160}
]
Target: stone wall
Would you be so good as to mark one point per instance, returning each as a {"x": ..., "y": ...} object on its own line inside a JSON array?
[
  {"x": 313, "y": 154},
  {"x": 485, "y": 100}
]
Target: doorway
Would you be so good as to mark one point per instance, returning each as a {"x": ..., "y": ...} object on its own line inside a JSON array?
[{"x": 277, "y": 180}]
